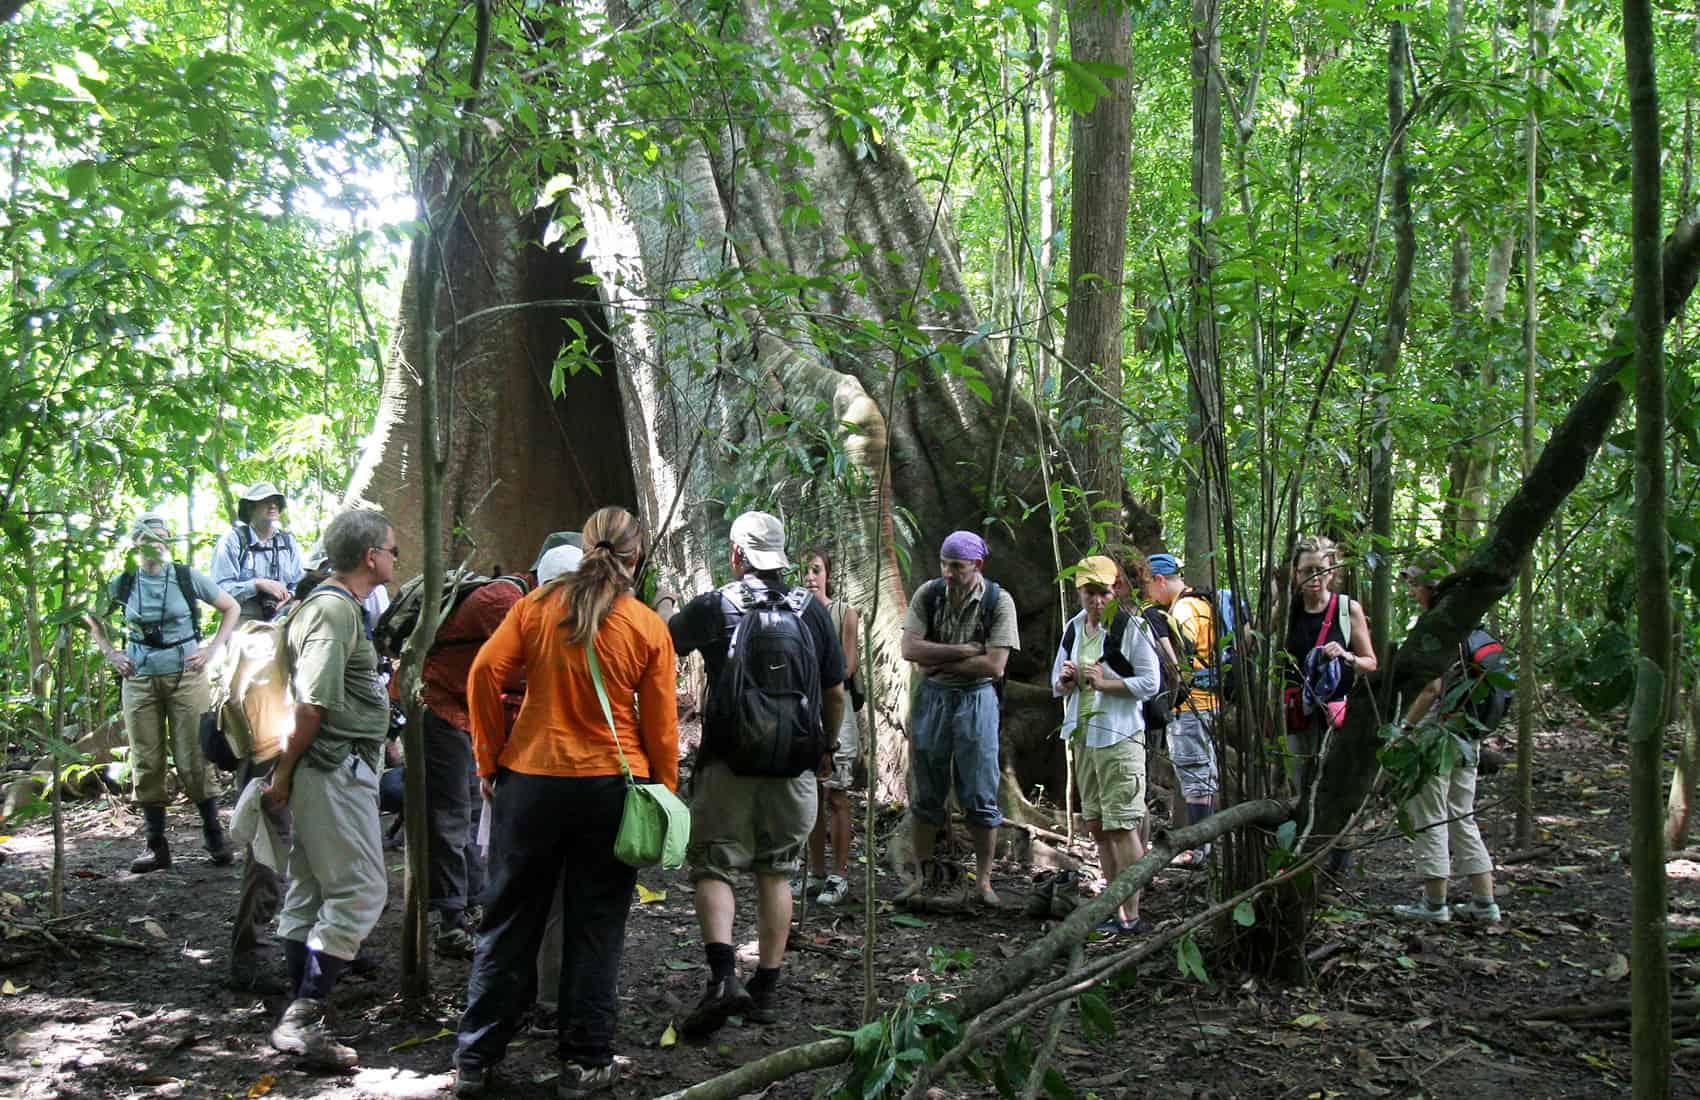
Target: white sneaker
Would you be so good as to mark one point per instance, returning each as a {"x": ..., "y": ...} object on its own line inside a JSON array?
[
  {"x": 835, "y": 890},
  {"x": 1478, "y": 910},
  {"x": 1422, "y": 910},
  {"x": 814, "y": 883}
]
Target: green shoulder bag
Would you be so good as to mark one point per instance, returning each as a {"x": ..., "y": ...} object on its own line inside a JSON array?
[{"x": 655, "y": 825}]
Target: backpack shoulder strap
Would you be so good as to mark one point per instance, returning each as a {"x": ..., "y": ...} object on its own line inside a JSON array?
[
  {"x": 932, "y": 600},
  {"x": 797, "y": 599},
  {"x": 1113, "y": 656},
  {"x": 186, "y": 585},
  {"x": 989, "y": 600},
  {"x": 126, "y": 585}
]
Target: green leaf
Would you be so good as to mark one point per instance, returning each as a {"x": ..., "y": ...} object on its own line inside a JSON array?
[
  {"x": 1245, "y": 914},
  {"x": 908, "y": 921},
  {"x": 1190, "y": 960},
  {"x": 80, "y": 178},
  {"x": 1095, "y": 1015}
]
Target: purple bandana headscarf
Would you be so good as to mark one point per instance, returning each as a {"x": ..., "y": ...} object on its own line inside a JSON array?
[{"x": 963, "y": 546}]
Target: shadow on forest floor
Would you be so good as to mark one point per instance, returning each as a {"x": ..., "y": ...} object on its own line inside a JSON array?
[{"x": 1395, "y": 1009}]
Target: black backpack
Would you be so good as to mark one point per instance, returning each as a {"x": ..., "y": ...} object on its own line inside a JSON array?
[
  {"x": 185, "y": 585},
  {"x": 396, "y": 624},
  {"x": 1484, "y": 666},
  {"x": 1159, "y": 707},
  {"x": 764, "y": 708}
]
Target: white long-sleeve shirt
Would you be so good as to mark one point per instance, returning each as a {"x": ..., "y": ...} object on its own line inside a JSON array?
[{"x": 1113, "y": 718}]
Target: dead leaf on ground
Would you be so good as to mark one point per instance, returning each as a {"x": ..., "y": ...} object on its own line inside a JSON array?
[
  {"x": 262, "y": 1086},
  {"x": 1311, "y": 1020},
  {"x": 1617, "y": 969},
  {"x": 646, "y": 896}
]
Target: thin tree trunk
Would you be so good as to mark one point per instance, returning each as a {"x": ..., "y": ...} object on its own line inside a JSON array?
[
  {"x": 1650, "y": 990},
  {"x": 428, "y": 277},
  {"x": 1204, "y": 378},
  {"x": 1099, "y": 32},
  {"x": 1393, "y": 339},
  {"x": 1047, "y": 200},
  {"x": 1531, "y": 320}
]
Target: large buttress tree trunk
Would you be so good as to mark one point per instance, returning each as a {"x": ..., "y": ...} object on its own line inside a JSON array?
[
  {"x": 721, "y": 352},
  {"x": 519, "y": 463}
]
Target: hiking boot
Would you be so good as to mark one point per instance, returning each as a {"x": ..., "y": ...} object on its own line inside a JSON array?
[
  {"x": 835, "y": 891},
  {"x": 578, "y": 1081},
  {"x": 911, "y": 896},
  {"x": 219, "y": 850},
  {"x": 1425, "y": 910},
  {"x": 302, "y": 1031},
  {"x": 810, "y": 886},
  {"x": 722, "y": 1000},
  {"x": 545, "y": 1022},
  {"x": 455, "y": 943},
  {"x": 1477, "y": 909},
  {"x": 159, "y": 852},
  {"x": 474, "y": 1080},
  {"x": 764, "y": 1005}
]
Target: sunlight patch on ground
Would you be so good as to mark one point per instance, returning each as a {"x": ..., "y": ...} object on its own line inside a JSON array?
[
  {"x": 1682, "y": 868},
  {"x": 401, "y": 1084},
  {"x": 1559, "y": 821}
]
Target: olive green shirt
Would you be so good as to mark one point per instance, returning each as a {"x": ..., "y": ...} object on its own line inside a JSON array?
[{"x": 334, "y": 666}]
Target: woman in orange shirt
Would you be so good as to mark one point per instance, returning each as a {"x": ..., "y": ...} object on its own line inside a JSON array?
[{"x": 556, "y": 797}]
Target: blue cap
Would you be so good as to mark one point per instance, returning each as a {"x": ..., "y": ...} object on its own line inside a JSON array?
[{"x": 1163, "y": 565}]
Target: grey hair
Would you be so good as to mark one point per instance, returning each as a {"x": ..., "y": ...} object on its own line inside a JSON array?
[{"x": 351, "y": 534}]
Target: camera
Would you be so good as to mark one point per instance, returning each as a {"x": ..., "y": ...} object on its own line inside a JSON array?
[{"x": 153, "y": 636}]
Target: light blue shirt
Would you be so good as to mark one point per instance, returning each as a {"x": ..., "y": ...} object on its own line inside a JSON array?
[{"x": 235, "y": 567}]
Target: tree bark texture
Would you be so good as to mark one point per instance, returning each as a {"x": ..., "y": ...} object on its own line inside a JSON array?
[
  {"x": 1099, "y": 31},
  {"x": 1650, "y": 1034}
]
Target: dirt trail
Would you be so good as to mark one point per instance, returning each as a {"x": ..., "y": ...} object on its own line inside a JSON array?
[{"x": 1395, "y": 1010}]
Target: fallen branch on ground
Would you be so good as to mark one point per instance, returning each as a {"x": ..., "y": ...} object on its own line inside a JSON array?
[{"x": 1021, "y": 971}]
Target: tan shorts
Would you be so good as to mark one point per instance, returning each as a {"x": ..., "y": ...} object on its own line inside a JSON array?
[
  {"x": 748, "y": 823},
  {"x": 1112, "y": 784},
  {"x": 849, "y": 747}
]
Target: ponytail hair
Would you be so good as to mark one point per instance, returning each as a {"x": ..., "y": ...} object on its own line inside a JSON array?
[{"x": 612, "y": 537}]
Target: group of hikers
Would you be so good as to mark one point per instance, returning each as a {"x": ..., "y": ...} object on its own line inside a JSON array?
[{"x": 548, "y": 692}]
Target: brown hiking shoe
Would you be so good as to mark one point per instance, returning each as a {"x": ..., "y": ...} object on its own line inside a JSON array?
[
  {"x": 303, "y": 1031},
  {"x": 157, "y": 859},
  {"x": 917, "y": 894}
]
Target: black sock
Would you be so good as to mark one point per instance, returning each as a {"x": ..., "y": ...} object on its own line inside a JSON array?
[
  {"x": 721, "y": 961},
  {"x": 320, "y": 975},
  {"x": 764, "y": 980},
  {"x": 451, "y": 919},
  {"x": 1198, "y": 811},
  {"x": 295, "y": 954}
]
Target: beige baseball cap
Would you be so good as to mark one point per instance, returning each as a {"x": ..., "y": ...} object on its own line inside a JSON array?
[{"x": 762, "y": 539}]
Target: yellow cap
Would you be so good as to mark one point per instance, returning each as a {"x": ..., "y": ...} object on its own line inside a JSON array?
[{"x": 1096, "y": 569}]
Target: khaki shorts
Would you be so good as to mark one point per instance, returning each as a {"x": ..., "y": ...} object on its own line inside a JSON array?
[
  {"x": 1112, "y": 784},
  {"x": 748, "y": 822},
  {"x": 849, "y": 747}
]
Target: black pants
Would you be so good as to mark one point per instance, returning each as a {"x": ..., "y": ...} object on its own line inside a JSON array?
[
  {"x": 262, "y": 888},
  {"x": 549, "y": 830},
  {"x": 452, "y": 806}
]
